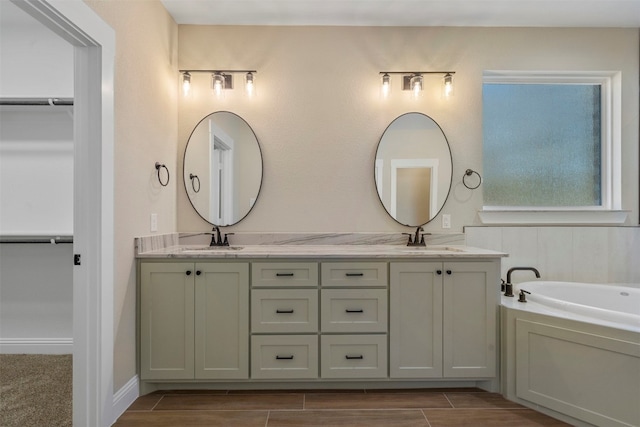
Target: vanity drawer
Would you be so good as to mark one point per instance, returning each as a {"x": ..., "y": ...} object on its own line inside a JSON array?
[
  {"x": 354, "y": 310},
  {"x": 354, "y": 356},
  {"x": 284, "y": 356},
  {"x": 354, "y": 274},
  {"x": 284, "y": 274},
  {"x": 284, "y": 310}
]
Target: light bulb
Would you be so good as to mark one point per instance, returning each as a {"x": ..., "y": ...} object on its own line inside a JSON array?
[
  {"x": 250, "y": 84},
  {"x": 386, "y": 85},
  {"x": 186, "y": 83},
  {"x": 448, "y": 85},
  {"x": 416, "y": 85},
  {"x": 217, "y": 83}
]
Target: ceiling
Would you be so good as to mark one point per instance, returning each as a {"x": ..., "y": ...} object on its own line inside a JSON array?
[{"x": 510, "y": 13}]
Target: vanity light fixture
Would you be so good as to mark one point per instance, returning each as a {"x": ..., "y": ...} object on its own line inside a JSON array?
[
  {"x": 415, "y": 82},
  {"x": 221, "y": 81}
]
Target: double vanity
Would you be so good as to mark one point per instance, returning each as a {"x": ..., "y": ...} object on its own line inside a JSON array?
[
  {"x": 378, "y": 314},
  {"x": 317, "y": 316}
]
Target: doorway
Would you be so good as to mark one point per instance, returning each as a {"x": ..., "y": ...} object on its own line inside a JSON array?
[{"x": 94, "y": 48}]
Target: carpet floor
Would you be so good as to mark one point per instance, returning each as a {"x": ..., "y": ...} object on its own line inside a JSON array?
[{"x": 35, "y": 390}]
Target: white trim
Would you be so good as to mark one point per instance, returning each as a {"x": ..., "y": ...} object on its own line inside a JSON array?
[
  {"x": 559, "y": 217},
  {"x": 611, "y": 139},
  {"x": 415, "y": 163},
  {"x": 221, "y": 153},
  {"x": 94, "y": 53},
  {"x": 125, "y": 397},
  {"x": 36, "y": 345}
]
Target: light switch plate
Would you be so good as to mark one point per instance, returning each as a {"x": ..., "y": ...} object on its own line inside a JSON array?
[
  {"x": 154, "y": 222},
  {"x": 446, "y": 220}
]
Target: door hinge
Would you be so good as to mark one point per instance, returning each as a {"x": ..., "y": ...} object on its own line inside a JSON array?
[{"x": 76, "y": 259}]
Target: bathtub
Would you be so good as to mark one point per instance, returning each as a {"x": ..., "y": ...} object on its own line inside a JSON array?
[
  {"x": 608, "y": 305},
  {"x": 572, "y": 351}
]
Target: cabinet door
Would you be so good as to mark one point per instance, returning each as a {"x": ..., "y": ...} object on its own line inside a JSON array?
[
  {"x": 469, "y": 325},
  {"x": 415, "y": 322},
  {"x": 222, "y": 320},
  {"x": 166, "y": 321}
]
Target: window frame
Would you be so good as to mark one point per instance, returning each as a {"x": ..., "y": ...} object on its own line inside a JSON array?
[{"x": 611, "y": 147}]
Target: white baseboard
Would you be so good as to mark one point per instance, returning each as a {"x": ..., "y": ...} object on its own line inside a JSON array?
[
  {"x": 124, "y": 397},
  {"x": 36, "y": 345}
]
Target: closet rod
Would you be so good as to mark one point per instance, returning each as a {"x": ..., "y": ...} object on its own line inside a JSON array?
[
  {"x": 36, "y": 101},
  {"x": 36, "y": 239}
]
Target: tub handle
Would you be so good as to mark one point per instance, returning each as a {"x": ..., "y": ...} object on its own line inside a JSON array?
[{"x": 522, "y": 297}]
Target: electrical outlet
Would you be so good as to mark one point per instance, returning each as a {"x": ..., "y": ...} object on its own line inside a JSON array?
[
  {"x": 446, "y": 220},
  {"x": 154, "y": 222}
]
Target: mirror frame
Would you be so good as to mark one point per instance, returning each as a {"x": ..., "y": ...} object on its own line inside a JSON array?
[
  {"x": 184, "y": 158},
  {"x": 450, "y": 160}
]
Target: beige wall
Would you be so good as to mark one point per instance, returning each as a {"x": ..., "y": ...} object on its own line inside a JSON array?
[
  {"x": 145, "y": 132},
  {"x": 318, "y": 114},
  {"x": 318, "y": 117}
]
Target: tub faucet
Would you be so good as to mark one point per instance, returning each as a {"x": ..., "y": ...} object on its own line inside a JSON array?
[{"x": 509, "y": 286}]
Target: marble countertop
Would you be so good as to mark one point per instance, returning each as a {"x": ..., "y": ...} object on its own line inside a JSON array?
[{"x": 318, "y": 251}]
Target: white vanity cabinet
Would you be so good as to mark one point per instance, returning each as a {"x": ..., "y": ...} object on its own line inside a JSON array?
[
  {"x": 194, "y": 320},
  {"x": 443, "y": 319}
]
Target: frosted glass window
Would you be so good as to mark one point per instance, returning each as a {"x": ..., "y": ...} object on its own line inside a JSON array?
[{"x": 542, "y": 145}]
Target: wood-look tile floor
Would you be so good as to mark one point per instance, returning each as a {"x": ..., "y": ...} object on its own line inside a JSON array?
[{"x": 366, "y": 408}]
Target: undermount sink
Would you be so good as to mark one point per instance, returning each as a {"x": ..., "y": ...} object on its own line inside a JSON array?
[
  {"x": 421, "y": 249},
  {"x": 213, "y": 249}
]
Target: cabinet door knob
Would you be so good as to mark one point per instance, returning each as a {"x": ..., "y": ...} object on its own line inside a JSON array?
[
  {"x": 198, "y": 272},
  {"x": 438, "y": 272},
  {"x": 188, "y": 272},
  {"x": 449, "y": 272}
]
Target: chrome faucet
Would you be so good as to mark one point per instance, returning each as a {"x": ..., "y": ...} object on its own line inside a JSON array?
[{"x": 509, "y": 286}]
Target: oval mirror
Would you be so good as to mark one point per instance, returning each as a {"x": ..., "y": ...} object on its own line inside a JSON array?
[
  {"x": 222, "y": 168},
  {"x": 413, "y": 169}
]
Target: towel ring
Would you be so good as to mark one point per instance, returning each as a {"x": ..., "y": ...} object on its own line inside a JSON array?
[
  {"x": 158, "y": 167},
  {"x": 470, "y": 172},
  {"x": 193, "y": 179}
]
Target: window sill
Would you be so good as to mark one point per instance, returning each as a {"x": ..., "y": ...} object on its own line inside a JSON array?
[{"x": 569, "y": 217}]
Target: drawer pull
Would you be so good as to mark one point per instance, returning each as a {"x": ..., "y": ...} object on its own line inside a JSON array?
[
  {"x": 358, "y": 357},
  {"x": 354, "y": 274},
  {"x": 284, "y": 274},
  {"x": 288, "y": 311},
  {"x": 359, "y": 310},
  {"x": 290, "y": 357}
]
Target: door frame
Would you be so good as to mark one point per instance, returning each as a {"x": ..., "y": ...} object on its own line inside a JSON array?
[
  {"x": 94, "y": 52},
  {"x": 415, "y": 163}
]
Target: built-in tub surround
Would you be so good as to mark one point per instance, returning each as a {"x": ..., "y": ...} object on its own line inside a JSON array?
[{"x": 572, "y": 354}]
